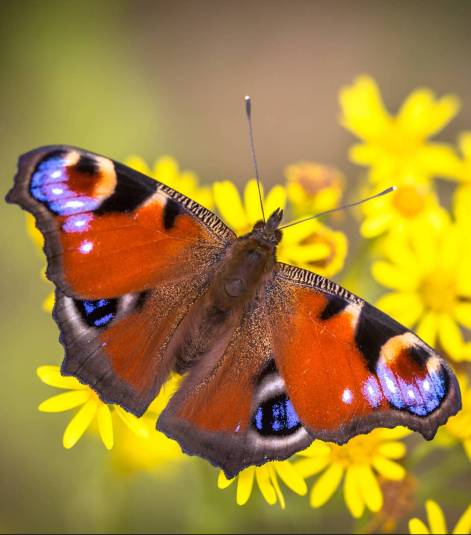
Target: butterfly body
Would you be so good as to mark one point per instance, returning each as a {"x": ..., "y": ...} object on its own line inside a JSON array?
[{"x": 272, "y": 356}]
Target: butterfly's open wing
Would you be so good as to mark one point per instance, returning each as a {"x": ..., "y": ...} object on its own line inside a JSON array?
[
  {"x": 310, "y": 360},
  {"x": 121, "y": 248},
  {"x": 234, "y": 411},
  {"x": 348, "y": 367}
]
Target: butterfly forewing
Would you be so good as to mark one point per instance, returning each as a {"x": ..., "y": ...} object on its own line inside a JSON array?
[{"x": 128, "y": 256}]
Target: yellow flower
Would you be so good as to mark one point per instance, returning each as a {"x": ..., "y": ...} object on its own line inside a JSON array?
[
  {"x": 412, "y": 204},
  {"x": 430, "y": 275},
  {"x": 241, "y": 215},
  {"x": 397, "y": 147},
  {"x": 310, "y": 245},
  {"x": 166, "y": 170},
  {"x": 459, "y": 426},
  {"x": 314, "y": 246},
  {"x": 38, "y": 240},
  {"x": 358, "y": 463},
  {"x": 133, "y": 453},
  {"x": 437, "y": 522},
  {"x": 313, "y": 188},
  {"x": 91, "y": 408},
  {"x": 267, "y": 481}
]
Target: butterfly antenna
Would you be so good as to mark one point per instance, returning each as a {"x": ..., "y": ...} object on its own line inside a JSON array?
[
  {"x": 248, "y": 111},
  {"x": 343, "y": 207}
]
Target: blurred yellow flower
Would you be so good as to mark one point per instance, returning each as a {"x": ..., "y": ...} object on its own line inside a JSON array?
[
  {"x": 154, "y": 452},
  {"x": 430, "y": 275},
  {"x": 241, "y": 215},
  {"x": 313, "y": 188},
  {"x": 412, "y": 204},
  {"x": 314, "y": 246},
  {"x": 459, "y": 426},
  {"x": 38, "y": 240},
  {"x": 360, "y": 460},
  {"x": 166, "y": 170},
  {"x": 397, "y": 147},
  {"x": 266, "y": 477},
  {"x": 437, "y": 522},
  {"x": 91, "y": 408}
]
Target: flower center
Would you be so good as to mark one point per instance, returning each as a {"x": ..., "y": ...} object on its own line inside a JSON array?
[
  {"x": 314, "y": 178},
  {"x": 409, "y": 201},
  {"x": 438, "y": 292}
]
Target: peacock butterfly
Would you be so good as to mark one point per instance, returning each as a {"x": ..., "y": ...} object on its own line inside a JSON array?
[{"x": 273, "y": 356}]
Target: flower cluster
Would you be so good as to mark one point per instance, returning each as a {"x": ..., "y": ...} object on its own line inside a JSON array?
[{"x": 417, "y": 247}]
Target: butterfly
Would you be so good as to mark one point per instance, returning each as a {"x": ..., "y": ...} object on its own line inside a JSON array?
[{"x": 149, "y": 282}]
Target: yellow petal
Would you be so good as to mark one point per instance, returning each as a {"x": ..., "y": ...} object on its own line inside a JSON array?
[
  {"x": 245, "y": 485},
  {"x": 223, "y": 482},
  {"x": 436, "y": 519},
  {"x": 387, "y": 468},
  {"x": 422, "y": 116},
  {"x": 427, "y": 328},
  {"x": 276, "y": 486},
  {"x": 276, "y": 198},
  {"x": 363, "y": 111},
  {"x": 450, "y": 335},
  {"x": 138, "y": 163},
  {"x": 363, "y": 154},
  {"x": 51, "y": 375},
  {"x": 404, "y": 307},
  {"x": 374, "y": 225},
  {"x": 394, "y": 277},
  {"x": 326, "y": 485},
  {"x": 252, "y": 202},
  {"x": 311, "y": 465},
  {"x": 464, "y": 523},
  {"x": 229, "y": 205},
  {"x": 316, "y": 449},
  {"x": 462, "y": 314},
  {"x": 79, "y": 424},
  {"x": 307, "y": 253},
  {"x": 264, "y": 483},
  {"x": 369, "y": 487},
  {"x": 65, "y": 401},
  {"x": 392, "y": 450},
  {"x": 137, "y": 426},
  {"x": 166, "y": 170},
  {"x": 396, "y": 433},
  {"x": 415, "y": 110},
  {"x": 291, "y": 478},
  {"x": 105, "y": 425},
  {"x": 417, "y": 527},
  {"x": 464, "y": 141},
  {"x": 351, "y": 493},
  {"x": 48, "y": 303}
]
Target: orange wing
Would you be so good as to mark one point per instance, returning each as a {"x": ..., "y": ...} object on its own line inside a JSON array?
[
  {"x": 108, "y": 229},
  {"x": 348, "y": 367},
  {"x": 128, "y": 256},
  {"x": 215, "y": 412}
]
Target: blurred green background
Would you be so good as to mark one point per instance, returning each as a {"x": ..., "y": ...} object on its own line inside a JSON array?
[{"x": 120, "y": 77}]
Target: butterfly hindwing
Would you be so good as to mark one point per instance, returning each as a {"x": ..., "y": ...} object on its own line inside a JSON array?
[
  {"x": 128, "y": 255},
  {"x": 234, "y": 411},
  {"x": 348, "y": 367}
]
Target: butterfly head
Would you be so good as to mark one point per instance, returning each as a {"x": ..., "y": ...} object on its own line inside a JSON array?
[{"x": 268, "y": 232}]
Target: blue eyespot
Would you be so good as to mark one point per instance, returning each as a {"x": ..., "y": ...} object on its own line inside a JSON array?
[
  {"x": 97, "y": 313},
  {"x": 276, "y": 416}
]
